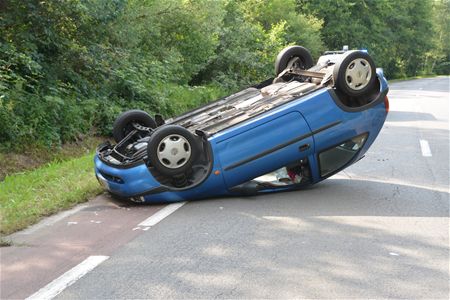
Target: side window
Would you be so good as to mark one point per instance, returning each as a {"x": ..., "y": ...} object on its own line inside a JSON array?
[{"x": 335, "y": 158}]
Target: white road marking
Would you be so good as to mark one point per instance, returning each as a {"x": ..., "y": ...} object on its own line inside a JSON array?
[
  {"x": 426, "y": 151},
  {"x": 161, "y": 214},
  {"x": 141, "y": 228},
  {"x": 55, "y": 287},
  {"x": 393, "y": 253}
]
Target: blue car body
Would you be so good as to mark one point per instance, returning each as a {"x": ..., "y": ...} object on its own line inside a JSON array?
[{"x": 302, "y": 128}]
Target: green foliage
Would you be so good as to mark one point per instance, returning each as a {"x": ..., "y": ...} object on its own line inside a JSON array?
[
  {"x": 252, "y": 34},
  {"x": 68, "y": 68},
  {"x": 438, "y": 57},
  {"x": 399, "y": 34}
]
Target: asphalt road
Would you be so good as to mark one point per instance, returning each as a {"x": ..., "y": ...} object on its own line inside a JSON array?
[{"x": 380, "y": 229}]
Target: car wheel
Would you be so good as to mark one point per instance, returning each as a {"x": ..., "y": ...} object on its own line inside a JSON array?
[
  {"x": 124, "y": 123},
  {"x": 172, "y": 149},
  {"x": 288, "y": 54},
  {"x": 355, "y": 74}
]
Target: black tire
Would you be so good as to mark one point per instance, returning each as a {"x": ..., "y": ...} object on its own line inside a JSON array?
[
  {"x": 124, "y": 123},
  {"x": 166, "y": 155},
  {"x": 287, "y": 54},
  {"x": 358, "y": 82}
]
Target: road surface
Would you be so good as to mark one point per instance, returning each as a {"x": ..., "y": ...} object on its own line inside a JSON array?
[{"x": 380, "y": 229}]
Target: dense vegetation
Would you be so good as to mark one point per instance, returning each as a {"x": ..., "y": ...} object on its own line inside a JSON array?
[{"x": 68, "y": 67}]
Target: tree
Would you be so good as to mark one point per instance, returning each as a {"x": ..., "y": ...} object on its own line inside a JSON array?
[
  {"x": 396, "y": 33},
  {"x": 438, "y": 58}
]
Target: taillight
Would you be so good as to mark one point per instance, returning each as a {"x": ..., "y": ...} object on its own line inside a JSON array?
[{"x": 386, "y": 104}]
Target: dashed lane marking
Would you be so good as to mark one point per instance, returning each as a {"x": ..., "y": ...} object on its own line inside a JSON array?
[
  {"x": 161, "y": 214},
  {"x": 55, "y": 287},
  {"x": 426, "y": 151}
]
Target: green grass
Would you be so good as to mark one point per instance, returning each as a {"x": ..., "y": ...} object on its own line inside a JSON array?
[{"x": 27, "y": 197}]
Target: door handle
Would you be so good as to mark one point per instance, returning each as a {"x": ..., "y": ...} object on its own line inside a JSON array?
[{"x": 304, "y": 147}]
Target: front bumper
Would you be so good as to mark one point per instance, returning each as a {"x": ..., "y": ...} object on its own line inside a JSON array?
[{"x": 129, "y": 182}]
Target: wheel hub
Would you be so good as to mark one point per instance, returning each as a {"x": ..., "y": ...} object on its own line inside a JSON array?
[
  {"x": 174, "y": 151},
  {"x": 358, "y": 74}
]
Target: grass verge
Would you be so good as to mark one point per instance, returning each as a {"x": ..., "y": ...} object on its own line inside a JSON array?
[
  {"x": 26, "y": 198},
  {"x": 33, "y": 157}
]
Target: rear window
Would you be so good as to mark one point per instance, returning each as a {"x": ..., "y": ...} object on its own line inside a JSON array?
[{"x": 337, "y": 157}]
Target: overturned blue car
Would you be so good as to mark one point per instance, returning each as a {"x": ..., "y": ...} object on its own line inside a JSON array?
[{"x": 307, "y": 123}]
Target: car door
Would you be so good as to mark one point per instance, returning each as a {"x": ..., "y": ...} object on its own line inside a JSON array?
[
  {"x": 264, "y": 146},
  {"x": 339, "y": 132}
]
